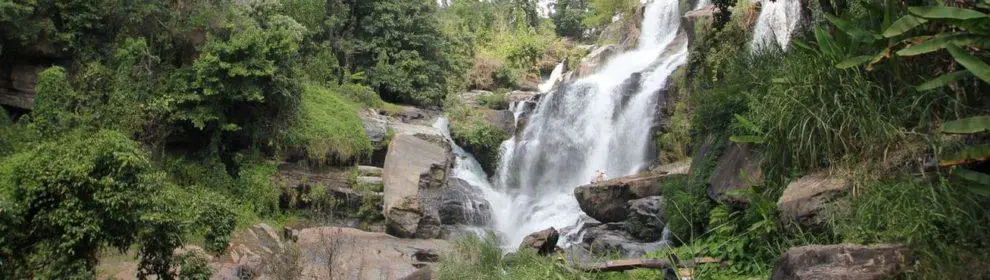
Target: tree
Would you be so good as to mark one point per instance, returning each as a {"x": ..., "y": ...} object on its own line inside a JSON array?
[{"x": 567, "y": 17}]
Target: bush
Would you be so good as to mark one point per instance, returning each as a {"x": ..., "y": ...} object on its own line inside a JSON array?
[
  {"x": 65, "y": 199},
  {"x": 328, "y": 128},
  {"x": 495, "y": 101},
  {"x": 480, "y": 138}
]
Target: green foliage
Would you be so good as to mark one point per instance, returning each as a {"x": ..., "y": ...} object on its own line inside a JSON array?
[
  {"x": 192, "y": 266},
  {"x": 328, "y": 127},
  {"x": 65, "y": 200},
  {"x": 601, "y": 12},
  {"x": 568, "y": 16},
  {"x": 473, "y": 257},
  {"x": 254, "y": 187},
  {"x": 939, "y": 219},
  {"x": 56, "y": 103},
  {"x": 478, "y": 136},
  {"x": 495, "y": 101}
]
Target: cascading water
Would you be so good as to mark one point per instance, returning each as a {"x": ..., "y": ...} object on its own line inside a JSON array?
[
  {"x": 556, "y": 76},
  {"x": 598, "y": 123},
  {"x": 777, "y": 21}
]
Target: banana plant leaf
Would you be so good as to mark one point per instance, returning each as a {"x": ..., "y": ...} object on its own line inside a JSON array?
[
  {"x": 748, "y": 124},
  {"x": 979, "y": 68},
  {"x": 854, "y": 61},
  {"x": 945, "y": 12},
  {"x": 977, "y": 153},
  {"x": 854, "y": 31},
  {"x": 981, "y": 180},
  {"x": 904, "y": 24},
  {"x": 746, "y": 139},
  {"x": 968, "y": 125},
  {"x": 942, "y": 81}
]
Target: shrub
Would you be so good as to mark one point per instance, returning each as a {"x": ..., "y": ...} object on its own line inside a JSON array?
[
  {"x": 495, "y": 101},
  {"x": 65, "y": 199},
  {"x": 480, "y": 138},
  {"x": 483, "y": 74},
  {"x": 254, "y": 187},
  {"x": 328, "y": 128}
]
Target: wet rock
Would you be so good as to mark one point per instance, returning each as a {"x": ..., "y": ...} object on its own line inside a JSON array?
[
  {"x": 738, "y": 168},
  {"x": 646, "y": 220},
  {"x": 502, "y": 119},
  {"x": 843, "y": 261},
  {"x": 464, "y": 205},
  {"x": 596, "y": 59},
  {"x": 414, "y": 176},
  {"x": 608, "y": 201},
  {"x": 614, "y": 238},
  {"x": 806, "y": 199},
  {"x": 544, "y": 241}
]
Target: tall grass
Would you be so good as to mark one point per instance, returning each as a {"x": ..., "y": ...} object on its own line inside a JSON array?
[{"x": 328, "y": 127}]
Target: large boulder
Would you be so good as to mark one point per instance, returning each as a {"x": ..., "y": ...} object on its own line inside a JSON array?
[
  {"x": 18, "y": 89},
  {"x": 463, "y": 205},
  {"x": 646, "y": 220},
  {"x": 414, "y": 176},
  {"x": 607, "y": 201},
  {"x": 544, "y": 241},
  {"x": 805, "y": 200},
  {"x": 843, "y": 261},
  {"x": 738, "y": 168},
  {"x": 375, "y": 125},
  {"x": 329, "y": 253}
]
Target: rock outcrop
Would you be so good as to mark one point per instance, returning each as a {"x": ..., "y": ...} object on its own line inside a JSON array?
[
  {"x": 614, "y": 238},
  {"x": 415, "y": 174},
  {"x": 463, "y": 205},
  {"x": 805, "y": 199},
  {"x": 327, "y": 253},
  {"x": 502, "y": 119},
  {"x": 646, "y": 220},
  {"x": 608, "y": 201},
  {"x": 596, "y": 59},
  {"x": 738, "y": 168},
  {"x": 843, "y": 261},
  {"x": 544, "y": 241}
]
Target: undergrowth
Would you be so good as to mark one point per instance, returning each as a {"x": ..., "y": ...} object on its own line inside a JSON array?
[{"x": 328, "y": 127}]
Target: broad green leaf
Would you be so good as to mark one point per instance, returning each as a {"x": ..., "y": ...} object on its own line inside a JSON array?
[
  {"x": 942, "y": 81},
  {"x": 979, "y": 68},
  {"x": 982, "y": 180},
  {"x": 944, "y": 12},
  {"x": 746, "y": 139},
  {"x": 930, "y": 45},
  {"x": 825, "y": 43},
  {"x": 854, "y": 31},
  {"x": 854, "y": 61},
  {"x": 902, "y": 25},
  {"x": 804, "y": 46},
  {"x": 968, "y": 125},
  {"x": 975, "y": 153},
  {"x": 748, "y": 124}
]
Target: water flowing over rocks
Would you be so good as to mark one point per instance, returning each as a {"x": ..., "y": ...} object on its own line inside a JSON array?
[
  {"x": 805, "y": 199},
  {"x": 843, "y": 261},
  {"x": 463, "y": 205},
  {"x": 415, "y": 174},
  {"x": 614, "y": 238},
  {"x": 595, "y": 60},
  {"x": 738, "y": 168}
]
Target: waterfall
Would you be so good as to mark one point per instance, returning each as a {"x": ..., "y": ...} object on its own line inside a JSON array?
[
  {"x": 555, "y": 77},
  {"x": 777, "y": 21},
  {"x": 600, "y": 122}
]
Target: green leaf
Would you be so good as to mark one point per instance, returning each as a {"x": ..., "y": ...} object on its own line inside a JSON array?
[
  {"x": 944, "y": 12},
  {"x": 927, "y": 46},
  {"x": 942, "y": 81},
  {"x": 826, "y": 44},
  {"x": 902, "y": 25},
  {"x": 853, "y": 30},
  {"x": 975, "y": 153},
  {"x": 979, "y": 68},
  {"x": 748, "y": 124},
  {"x": 854, "y": 61},
  {"x": 940, "y": 41},
  {"x": 746, "y": 139},
  {"x": 968, "y": 125},
  {"x": 982, "y": 180}
]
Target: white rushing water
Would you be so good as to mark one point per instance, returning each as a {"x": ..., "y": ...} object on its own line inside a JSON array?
[
  {"x": 777, "y": 22},
  {"x": 598, "y": 123},
  {"x": 556, "y": 76}
]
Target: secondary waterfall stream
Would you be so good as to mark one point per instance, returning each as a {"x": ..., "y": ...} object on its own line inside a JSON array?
[
  {"x": 601, "y": 122},
  {"x": 777, "y": 21}
]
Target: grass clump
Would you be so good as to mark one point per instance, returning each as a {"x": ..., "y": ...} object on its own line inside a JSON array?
[
  {"x": 946, "y": 226},
  {"x": 495, "y": 101},
  {"x": 328, "y": 127},
  {"x": 475, "y": 257}
]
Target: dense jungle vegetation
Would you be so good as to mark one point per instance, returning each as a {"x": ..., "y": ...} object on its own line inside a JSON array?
[{"x": 161, "y": 123}]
